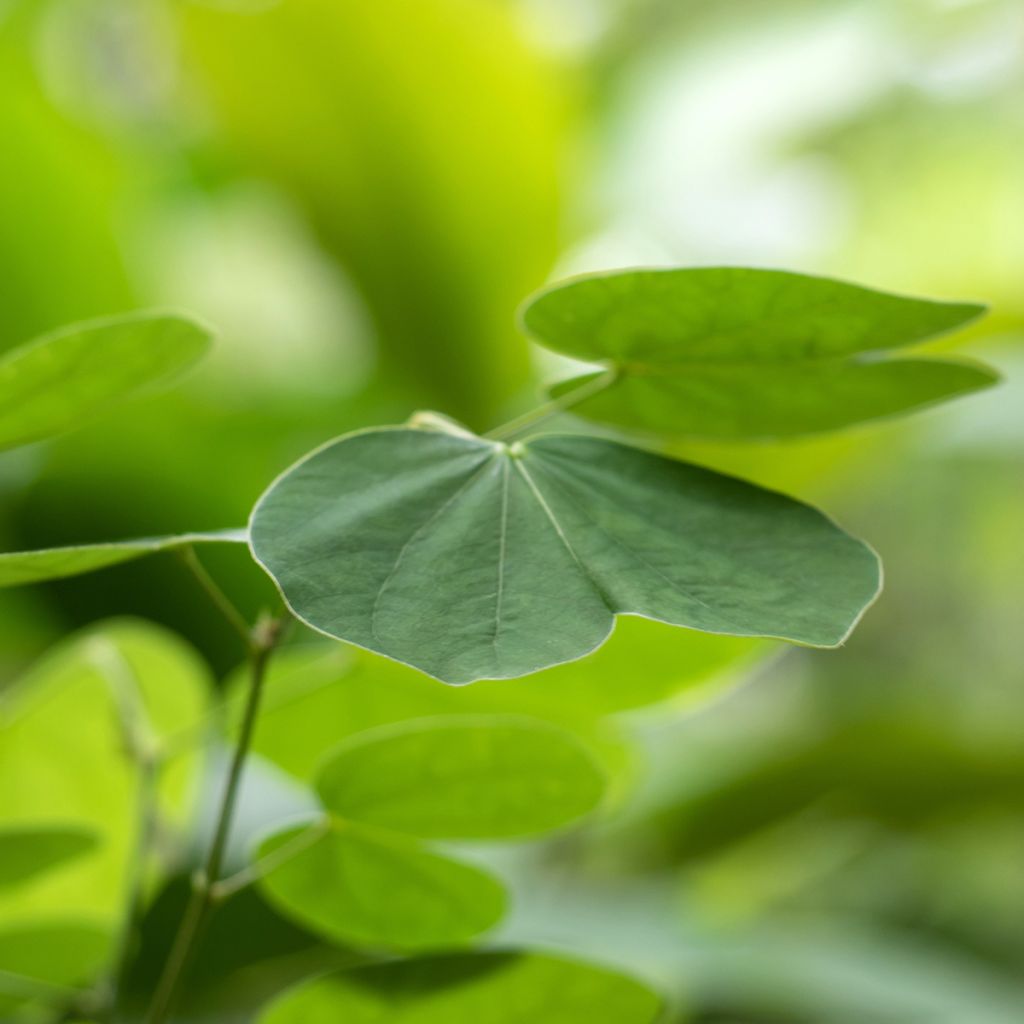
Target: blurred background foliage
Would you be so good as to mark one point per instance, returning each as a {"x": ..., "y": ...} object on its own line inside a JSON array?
[{"x": 357, "y": 196}]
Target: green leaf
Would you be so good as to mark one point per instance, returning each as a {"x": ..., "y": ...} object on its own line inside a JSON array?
[
  {"x": 471, "y": 559},
  {"x": 466, "y": 777},
  {"x": 486, "y": 988},
  {"x": 64, "y": 757},
  {"x": 27, "y": 851},
  {"x": 726, "y": 352},
  {"x": 317, "y": 695},
  {"x": 359, "y": 886},
  {"x": 20, "y": 567},
  {"x": 64, "y": 379},
  {"x": 46, "y": 959}
]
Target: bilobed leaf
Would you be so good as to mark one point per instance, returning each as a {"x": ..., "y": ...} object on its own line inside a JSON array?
[
  {"x": 473, "y": 559},
  {"x": 365, "y": 887},
  {"x": 485, "y": 988},
  {"x": 465, "y": 777},
  {"x": 30, "y": 850},
  {"x": 69, "y": 377},
  {"x": 728, "y": 352},
  {"x": 21, "y": 567}
]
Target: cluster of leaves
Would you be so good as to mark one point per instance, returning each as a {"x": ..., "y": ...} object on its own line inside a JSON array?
[{"x": 467, "y": 558}]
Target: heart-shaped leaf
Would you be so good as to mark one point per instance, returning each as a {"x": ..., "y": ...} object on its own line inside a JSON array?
[
  {"x": 466, "y": 777},
  {"x": 472, "y": 559},
  {"x": 728, "y": 352},
  {"x": 485, "y": 988},
  {"x": 21, "y": 567},
  {"x": 69, "y": 377},
  {"x": 364, "y": 887},
  {"x": 29, "y": 850}
]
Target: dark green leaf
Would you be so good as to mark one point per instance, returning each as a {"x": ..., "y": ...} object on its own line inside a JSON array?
[
  {"x": 375, "y": 889},
  {"x": 64, "y": 379},
  {"x": 726, "y": 352},
  {"x": 487, "y": 988},
  {"x": 472, "y": 559},
  {"x": 21, "y": 567},
  {"x": 470, "y": 777},
  {"x": 29, "y": 850}
]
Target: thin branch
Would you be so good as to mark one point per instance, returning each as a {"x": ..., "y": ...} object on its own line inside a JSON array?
[
  {"x": 227, "y": 887},
  {"x": 263, "y": 640},
  {"x": 556, "y": 406},
  {"x": 227, "y": 608}
]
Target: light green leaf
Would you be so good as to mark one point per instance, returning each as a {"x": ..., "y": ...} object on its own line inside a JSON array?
[
  {"x": 465, "y": 777},
  {"x": 362, "y": 887},
  {"x": 485, "y": 988},
  {"x": 69, "y": 377},
  {"x": 727, "y": 352},
  {"x": 317, "y": 695},
  {"x": 46, "y": 958},
  {"x": 27, "y": 851},
  {"x": 20, "y": 567},
  {"x": 472, "y": 559},
  {"x": 64, "y": 756}
]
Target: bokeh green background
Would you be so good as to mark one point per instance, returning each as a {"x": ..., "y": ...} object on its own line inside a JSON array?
[{"x": 357, "y": 195}]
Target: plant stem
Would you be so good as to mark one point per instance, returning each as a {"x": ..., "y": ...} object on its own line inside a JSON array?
[
  {"x": 227, "y": 887},
  {"x": 217, "y": 596},
  {"x": 556, "y": 406},
  {"x": 142, "y": 748},
  {"x": 262, "y": 641}
]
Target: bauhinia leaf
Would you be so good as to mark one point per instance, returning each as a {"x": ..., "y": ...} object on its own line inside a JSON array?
[
  {"x": 465, "y": 777},
  {"x": 370, "y": 888},
  {"x": 486, "y": 988},
  {"x": 727, "y": 352},
  {"x": 30, "y": 850},
  {"x": 20, "y": 567},
  {"x": 69, "y": 377},
  {"x": 471, "y": 559}
]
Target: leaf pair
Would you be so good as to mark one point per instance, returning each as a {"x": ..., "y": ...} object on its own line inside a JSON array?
[
  {"x": 489, "y": 988},
  {"x": 468, "y": 558},
  {"x": 735, "y": 353},
  {"x": 364, "y": 876}
]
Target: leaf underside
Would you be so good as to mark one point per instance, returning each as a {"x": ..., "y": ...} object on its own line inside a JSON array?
[
  {"x": 21, "y": 567},
  {"x": 471, "y": 559},
  {"x": 733, "y": 353}
]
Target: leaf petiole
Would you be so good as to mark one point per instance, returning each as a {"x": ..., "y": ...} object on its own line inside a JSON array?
[{"x": 555, "y": 407}]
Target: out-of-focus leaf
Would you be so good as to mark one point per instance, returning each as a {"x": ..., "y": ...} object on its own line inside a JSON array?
[
  {"x": 486, "y": 988},
  {"x": 21, "y": 567},
  {"x": 34, "y": 958},
  {"x": 543, "y": 544},
  {"x": 65, "y": 734},
  {"x": 317, "y": 696},
  {"x": 433, "y": 180},
  {"x": 32, "y": 850},
  {"x": 363, "y": 887},
  {"x": 67, "y": 378},
  {"x": 61, "y": 200},
  {"x": 471, "y": 777},
  {"x": 728, "y": 352}
]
